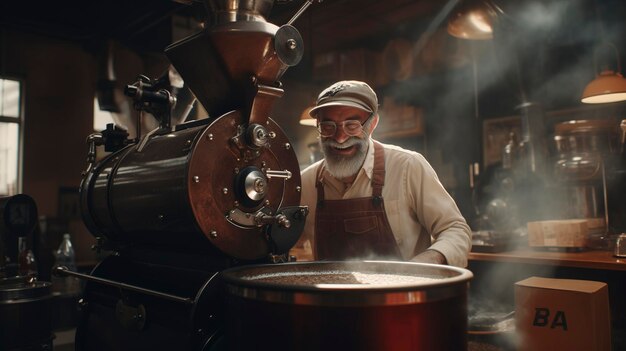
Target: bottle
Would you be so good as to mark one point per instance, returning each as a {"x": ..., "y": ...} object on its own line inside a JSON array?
[
  {"x": 27, "y": 265},
  {"x": 65, "y": 256}
]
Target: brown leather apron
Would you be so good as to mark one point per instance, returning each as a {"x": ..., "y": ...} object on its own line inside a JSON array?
[{"x": 355, "y": 228}]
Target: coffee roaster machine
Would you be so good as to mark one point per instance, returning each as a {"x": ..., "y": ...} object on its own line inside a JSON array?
[{"x": 182, "y": 203}]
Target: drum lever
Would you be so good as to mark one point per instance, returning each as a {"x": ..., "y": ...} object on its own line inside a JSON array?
[
  {"x": 261, "y": 219},
  {"x": 277, "y": 174},
  {"x": 64, "y": 271}
]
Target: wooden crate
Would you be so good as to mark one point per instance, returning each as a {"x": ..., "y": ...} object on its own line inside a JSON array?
[{"x": 564, "y": 233}]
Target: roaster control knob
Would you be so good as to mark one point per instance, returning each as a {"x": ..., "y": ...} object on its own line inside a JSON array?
[
  {"x": 251, "y": 186},
  {"x": 258, "y": 136},
  {"x": 292, "y": 44},
  {"x": 259, "y": 185},
  {"x": 131, "y": 91},
  {"x": 255, "y": 185},
  {"x": 282, "y": 221}
]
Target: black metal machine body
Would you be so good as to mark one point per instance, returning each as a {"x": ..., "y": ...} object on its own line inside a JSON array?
[{"x": 182, "y": 203}]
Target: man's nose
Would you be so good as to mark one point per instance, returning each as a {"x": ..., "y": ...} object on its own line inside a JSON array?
[{"x": 340, "y": 135}]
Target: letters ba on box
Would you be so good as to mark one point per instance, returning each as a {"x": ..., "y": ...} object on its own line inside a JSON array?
[{"x": 562, "y": 314}]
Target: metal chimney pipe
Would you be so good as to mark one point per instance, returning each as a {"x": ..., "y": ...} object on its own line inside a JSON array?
[
  {"x": 533, "y": 136},
  {"x": 226, "y": 11}
]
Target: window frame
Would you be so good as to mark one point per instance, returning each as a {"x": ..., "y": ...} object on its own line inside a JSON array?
[{"x": 20, "y": 120}]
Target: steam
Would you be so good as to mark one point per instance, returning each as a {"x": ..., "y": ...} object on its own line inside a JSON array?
[
  {"x": 521, "y": 40},
  {"x": 372, "y": 256},
  {"x": 542, "y": 52},
  {"x": 542, "y": 16}
]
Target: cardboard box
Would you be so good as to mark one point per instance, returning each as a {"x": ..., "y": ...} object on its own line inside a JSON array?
[
  {"x": 566, "y": 233},
  {"x": 562, "y": 314}
]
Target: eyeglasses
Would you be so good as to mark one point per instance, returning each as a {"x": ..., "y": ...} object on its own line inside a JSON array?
[{"x": 351, "y": 127}]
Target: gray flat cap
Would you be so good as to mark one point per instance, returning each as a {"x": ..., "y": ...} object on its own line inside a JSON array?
[{"x": 351, "y": 93}]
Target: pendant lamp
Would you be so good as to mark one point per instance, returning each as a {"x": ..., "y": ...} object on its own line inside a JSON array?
[
  {"x": 608, "y": 86},
  {"x": 473, "y": 20},
  {"x": 306, "y": 119}
]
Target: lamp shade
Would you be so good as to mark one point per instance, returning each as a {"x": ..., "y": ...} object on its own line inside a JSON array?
[
  {"x": 608, "y": 86},
  {"x": 306, "y": 119},
  {"x": 473, "y": 20}
]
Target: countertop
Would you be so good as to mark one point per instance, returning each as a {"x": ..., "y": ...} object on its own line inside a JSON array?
[{"x": 593, "y": 259}]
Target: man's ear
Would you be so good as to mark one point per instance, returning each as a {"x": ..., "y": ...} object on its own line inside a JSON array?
[{"x": 374, "y": 123}]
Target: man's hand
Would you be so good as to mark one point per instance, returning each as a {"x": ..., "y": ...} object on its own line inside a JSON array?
[{"x": 430, "y": 256}]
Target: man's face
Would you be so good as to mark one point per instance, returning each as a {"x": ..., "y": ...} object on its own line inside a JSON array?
[{"x": 344, "y": 153}]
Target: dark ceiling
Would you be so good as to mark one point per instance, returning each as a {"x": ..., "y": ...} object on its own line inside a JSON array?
[
  {"x": 140, "y": 24},
  {"x": 562, "y": 27},
  {"x": 145, "y": 25}
]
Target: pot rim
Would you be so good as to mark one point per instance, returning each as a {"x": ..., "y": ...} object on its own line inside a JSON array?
[
  {"x": 24, "y": 292},
  {"x": 443, "y": 287}
]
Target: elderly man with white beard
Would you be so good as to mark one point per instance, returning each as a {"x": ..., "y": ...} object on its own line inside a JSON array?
[{"x": 368, "y": 200}]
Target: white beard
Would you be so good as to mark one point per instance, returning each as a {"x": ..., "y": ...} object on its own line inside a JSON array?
[{"x": 344, "y": 166}]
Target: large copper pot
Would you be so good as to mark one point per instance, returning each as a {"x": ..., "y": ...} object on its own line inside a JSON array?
[{"x": 425, "y": 308}]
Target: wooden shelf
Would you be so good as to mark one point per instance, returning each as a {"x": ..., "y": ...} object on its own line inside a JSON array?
[{"x": 586, "y": 259}]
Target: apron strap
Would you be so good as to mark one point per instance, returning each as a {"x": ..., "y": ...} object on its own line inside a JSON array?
[
  {"x": 378, "y": 172},
  {"x": 319, "y": 185}
]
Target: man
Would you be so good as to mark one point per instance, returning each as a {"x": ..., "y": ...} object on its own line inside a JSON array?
[{"x": 373, "y": 201}]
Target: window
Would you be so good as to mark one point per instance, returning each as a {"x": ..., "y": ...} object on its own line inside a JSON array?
[
  {"x": 100, "y": 117},
  {"x": 11, "y": 120}
]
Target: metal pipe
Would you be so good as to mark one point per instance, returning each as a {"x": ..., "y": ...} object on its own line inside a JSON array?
[
  {"x": 188, "y": 110},
  {"x": 301, "y": 11},
  {"x": 64, "y": 271},
  {"x": 605, "y": 198}
]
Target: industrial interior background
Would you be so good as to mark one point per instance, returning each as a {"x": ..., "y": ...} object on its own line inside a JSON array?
[{"x": 453, "y": 100}]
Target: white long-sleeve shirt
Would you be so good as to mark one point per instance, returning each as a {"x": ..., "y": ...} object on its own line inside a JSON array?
[{"x": 420, "y": 211}]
